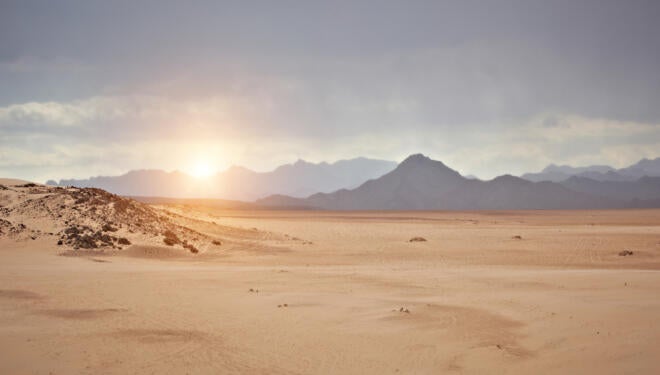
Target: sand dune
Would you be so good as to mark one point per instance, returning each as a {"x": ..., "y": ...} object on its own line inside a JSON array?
[
  {"x": 84, "y": 221},
  {"x": 338, "y": 292}
]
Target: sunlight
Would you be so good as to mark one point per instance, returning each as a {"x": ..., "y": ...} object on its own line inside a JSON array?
[{"x": 202, "y": 169}]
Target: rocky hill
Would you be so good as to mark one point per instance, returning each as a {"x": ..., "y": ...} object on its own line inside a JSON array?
[{"x": 89, "y": 219}]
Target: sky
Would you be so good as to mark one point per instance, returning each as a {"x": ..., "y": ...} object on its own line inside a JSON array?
[{"x": 488, "y": 87}]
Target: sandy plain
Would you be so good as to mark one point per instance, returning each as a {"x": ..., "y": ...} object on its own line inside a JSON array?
[{"x": 323, "y": 292}]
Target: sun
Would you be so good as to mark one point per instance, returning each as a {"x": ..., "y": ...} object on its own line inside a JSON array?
[{"x": 202, "y": 169}]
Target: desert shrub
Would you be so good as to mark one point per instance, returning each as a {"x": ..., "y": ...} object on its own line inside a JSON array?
[
  {"x": 72, "y": 230},
  {"x": 191, "y": 248},
  {"x": 109, "y": 228},
  {"x": 169, "y": 242},
  {"x": 171, "y": 237},
  {"x": 86, "y": 242}
]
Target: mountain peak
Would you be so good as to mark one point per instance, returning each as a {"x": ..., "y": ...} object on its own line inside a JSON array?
[
  {"x": 419, "y": 163},
  {"x": 301, "y": 162},
  {"x": 550, "y": 168},
  {"x": 416, "y": 158},
  {"x": 425, "y": 161},
  {"x": 509, "y": 179}
]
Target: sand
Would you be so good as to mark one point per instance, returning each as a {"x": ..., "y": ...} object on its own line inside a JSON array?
[{"x": 328, "y": 290}]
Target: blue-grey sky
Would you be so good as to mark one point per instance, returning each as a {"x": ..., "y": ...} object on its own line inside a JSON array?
[{"x": 488, "y": 87}]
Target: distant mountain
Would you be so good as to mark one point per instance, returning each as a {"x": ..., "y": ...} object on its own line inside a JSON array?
[
  {"x": 139, "y": 183},
  {"x": 644, "y": 167},
  {"x": 237, "y": 183},
  {"x": 419, "y": 183},
  {"x": 558, "y": 173},
  {"x": 645, "y": 188},
  {"x": 612, "y": 175}
]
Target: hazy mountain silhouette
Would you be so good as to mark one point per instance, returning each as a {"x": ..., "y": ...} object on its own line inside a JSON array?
[
  {"x": 644, "y": 167},
  {"x": 557, "y": 173},
  {"x": 645, "y": 188},
  {"x": 237, "y": 183},
  {"x": 419, "y": 183}
]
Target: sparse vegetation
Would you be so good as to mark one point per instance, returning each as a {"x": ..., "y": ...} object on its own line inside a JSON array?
[
  {"x": 191, "y": 248},
  {"x": 109, "y": 228},
  {"x": 90, "y": 218},
  {"x": 171, "y": 238},
  {"x": 169, "y": 242}
]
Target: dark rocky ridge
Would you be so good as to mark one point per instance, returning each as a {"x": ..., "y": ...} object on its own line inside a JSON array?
[{"x": 420, "y": 183}]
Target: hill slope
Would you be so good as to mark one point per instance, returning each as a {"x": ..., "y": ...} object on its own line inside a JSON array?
[{"x": 88, "y": 219}]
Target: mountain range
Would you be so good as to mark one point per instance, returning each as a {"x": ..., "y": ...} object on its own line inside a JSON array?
[
  {"x": 559, "y": 173},
  {"x": 238, "y": 183},
  {"x": 420, "y": 183},
  {"x": 417, "y": 183}
]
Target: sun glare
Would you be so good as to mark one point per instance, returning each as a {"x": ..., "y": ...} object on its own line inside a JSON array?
[{"x": 202, "y": 169}]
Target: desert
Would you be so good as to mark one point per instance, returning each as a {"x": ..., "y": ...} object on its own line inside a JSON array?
[
  {"x": 329, "y": 187},
  {"x": 335, "y": 292}
]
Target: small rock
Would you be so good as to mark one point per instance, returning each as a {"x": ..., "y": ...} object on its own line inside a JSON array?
[
  {"x": 417, "y": 239},
  {"x": 625, "y": 253}
]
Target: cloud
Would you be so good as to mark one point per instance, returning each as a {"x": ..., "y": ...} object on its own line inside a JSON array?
[
  {"x": 103, "y": 135},
  {"x": 574, "y": 127},
  {"x": 489, "y": 87}
]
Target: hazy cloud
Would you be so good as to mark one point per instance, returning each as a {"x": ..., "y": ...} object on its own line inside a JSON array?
[{"x": 488, "y": 86}]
